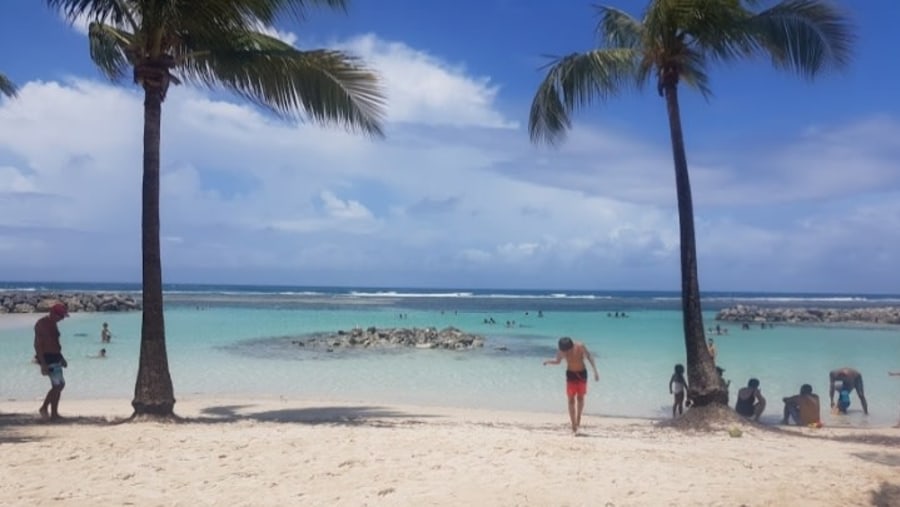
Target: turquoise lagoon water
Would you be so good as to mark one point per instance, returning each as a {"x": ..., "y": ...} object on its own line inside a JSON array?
[{"x": 236, "y": 341}]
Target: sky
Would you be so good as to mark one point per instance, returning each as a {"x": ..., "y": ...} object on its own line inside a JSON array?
[{"x": 796, "y": 183}]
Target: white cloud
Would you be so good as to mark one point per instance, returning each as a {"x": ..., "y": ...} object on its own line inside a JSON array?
[
  {"x": 422, "y": 88},
  {"x": 245, "y": 198}
]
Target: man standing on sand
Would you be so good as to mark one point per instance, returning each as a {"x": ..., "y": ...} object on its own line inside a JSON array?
[
  {"x": 576, "y": 376},
  {"x": 851, "y": 377},
  {"x": 48, "y": 353}
]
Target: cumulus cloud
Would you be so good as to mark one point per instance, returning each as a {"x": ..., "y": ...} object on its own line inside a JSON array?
[
  {"x": 249, "y": 199},
  {"x": 422, "y": 88}
]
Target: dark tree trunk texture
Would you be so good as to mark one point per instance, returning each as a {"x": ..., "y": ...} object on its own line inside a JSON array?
[
  {"x": 153, "y": 393},
  {"x": 705, "y": 384}
]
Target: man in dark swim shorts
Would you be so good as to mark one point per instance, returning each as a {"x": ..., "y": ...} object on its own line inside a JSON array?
[
  {"x": 851, "y": 377},
  {"x": 575, "y": 354}
]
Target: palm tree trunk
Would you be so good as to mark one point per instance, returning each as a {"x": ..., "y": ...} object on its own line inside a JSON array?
[
  {"x": 153, "y": 393},
  {"x": 706, "y": 386}
]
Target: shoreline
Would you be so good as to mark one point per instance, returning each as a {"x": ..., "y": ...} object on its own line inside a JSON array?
[{"x": 268, "y": 451}]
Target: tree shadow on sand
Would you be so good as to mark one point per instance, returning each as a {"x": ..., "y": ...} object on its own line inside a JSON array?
[
  {"x": 887, "y": 495},
  {"x": 12, "y": 424},
  {"x": 333, "y": 415}
]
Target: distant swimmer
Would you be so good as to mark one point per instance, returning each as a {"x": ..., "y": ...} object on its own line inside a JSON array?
[
  {"x": 105, "y": 334},
  {"x": 851, "y": 377},
  {"x": 711, "y": 347}
]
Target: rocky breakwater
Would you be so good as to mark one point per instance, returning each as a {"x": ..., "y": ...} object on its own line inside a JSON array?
[
  {"x": 756, "y": 314},
  {"x": 40, "y": 302},
  {"x": 423, "y": 338}
]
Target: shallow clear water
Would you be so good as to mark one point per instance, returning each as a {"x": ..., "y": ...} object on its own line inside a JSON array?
[{"x": 225, "y": 346}]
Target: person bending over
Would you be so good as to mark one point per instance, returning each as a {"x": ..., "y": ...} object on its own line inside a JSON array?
[{"x": 851, "y": 377}]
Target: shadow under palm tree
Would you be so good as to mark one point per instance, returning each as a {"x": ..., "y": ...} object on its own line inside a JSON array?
[
  {"x": 887, "y": 495},
  {"x": 341, "y": 415}
]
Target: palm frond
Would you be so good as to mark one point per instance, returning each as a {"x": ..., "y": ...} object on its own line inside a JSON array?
[
  {"x": 108, "y": 50},
  {"x": 693, "y": 71},
  {"x": 115, "y": 12},
  {"x": 575, "y": 81},
  {"x": 268, "y": 11},
  {"x": 7, "y": 87},
  {"x": 806, "y": 36},
  {"x": 325, "y": 86},
  {"x": 619, "y": 29}
]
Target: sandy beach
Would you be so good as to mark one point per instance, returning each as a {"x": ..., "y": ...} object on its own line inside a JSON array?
[{"x": 314, "y": 452}]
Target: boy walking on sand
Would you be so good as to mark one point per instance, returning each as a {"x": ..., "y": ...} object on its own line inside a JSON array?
[{"x": 575, "y": 354}]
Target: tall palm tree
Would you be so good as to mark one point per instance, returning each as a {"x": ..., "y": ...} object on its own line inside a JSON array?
[
  {"x": 674, "y": 42},
  {"x": 216, "y": 44},
  {"x": 7, "y": 87}
]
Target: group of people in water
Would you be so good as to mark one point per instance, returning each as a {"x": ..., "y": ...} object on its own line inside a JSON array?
[{"x": 801, "y": 409}]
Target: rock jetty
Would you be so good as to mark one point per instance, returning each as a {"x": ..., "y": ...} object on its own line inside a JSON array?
[
  {"x": 423, "y": 338},
  {"x": 756, "y": 314},
  {"x": 39, "y": 302}
]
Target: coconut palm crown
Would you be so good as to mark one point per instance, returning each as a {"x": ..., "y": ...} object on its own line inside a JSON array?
[
  {"x": 219, "y": 44},
  {"x": 674, "y": 42}
]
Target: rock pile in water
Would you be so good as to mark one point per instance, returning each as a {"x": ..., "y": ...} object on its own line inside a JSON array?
[
  {"x": 39, "y": 302},
  {"x": 756, "y": 314},
  {"x": 423, "y": 338}
]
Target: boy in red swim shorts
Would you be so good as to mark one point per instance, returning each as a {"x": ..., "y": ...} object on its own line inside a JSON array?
[{"x": 575, "y": 354}]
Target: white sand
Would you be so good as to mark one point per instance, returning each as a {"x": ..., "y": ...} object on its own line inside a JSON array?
[{"x": 293, "y": 452}]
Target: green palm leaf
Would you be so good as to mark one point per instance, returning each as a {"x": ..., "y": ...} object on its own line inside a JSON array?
[
  {"x": 7, "y": 87},
  {"x": 108, "y": 49},
  {"x": 806, "y": 36},
  {"x": 575, "y": 81},
  {"x": 327, "y": 86}
]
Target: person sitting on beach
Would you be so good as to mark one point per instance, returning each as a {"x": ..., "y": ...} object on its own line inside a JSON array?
[
  {"x": 678, "y": 388},
  {"x": 803, "y": 408},
  {"x": 105, "y": 334},
  {"x": 854, "y": 379},
  {"x": 750, "y": 401},
  {"x": 575, "y": 354}
]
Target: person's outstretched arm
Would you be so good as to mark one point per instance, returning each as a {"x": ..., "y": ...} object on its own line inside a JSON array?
[{"x": 555, "y": 360}]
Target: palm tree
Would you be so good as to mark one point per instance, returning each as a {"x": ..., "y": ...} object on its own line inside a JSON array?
[
  {"x": 216, "y": 44},
  {"x": 674, "y": 42},
  {"x": 7, "y": 87}
]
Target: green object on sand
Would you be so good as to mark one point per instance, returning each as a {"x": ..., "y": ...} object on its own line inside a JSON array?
[{"x": 735, "y": 432}]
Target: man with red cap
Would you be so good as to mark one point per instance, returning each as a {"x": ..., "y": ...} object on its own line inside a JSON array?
[{"x": 48, "y": 353}]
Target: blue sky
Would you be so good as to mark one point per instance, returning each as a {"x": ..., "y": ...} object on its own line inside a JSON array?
[{"x": 796, "y": 184}]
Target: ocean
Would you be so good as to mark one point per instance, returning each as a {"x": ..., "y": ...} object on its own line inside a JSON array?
[{"x": 236, "y": 341}]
